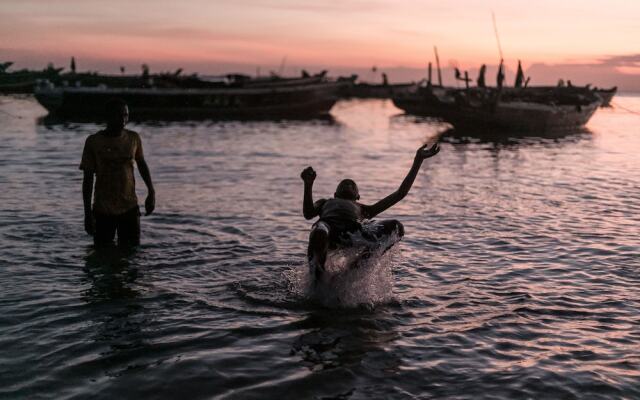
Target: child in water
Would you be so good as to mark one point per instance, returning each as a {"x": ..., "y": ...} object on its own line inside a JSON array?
[{"x": 342, "y": 216}]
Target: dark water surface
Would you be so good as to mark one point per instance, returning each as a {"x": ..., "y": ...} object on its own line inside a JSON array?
[{"x": 519, "y": 275}]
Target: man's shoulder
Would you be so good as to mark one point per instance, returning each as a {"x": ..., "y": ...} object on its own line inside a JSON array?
[
  {"x": 93, "y": 137},
  {"x": 132, "y": 134}
]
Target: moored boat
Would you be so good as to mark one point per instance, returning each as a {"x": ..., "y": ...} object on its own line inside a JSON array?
[
  {"x": 275, "y": 80},
  {"x": 606, "y": 95},
  {"x": 287, "y": 101},
  {"x": 375, "y": 91},
  {"x": 17, "y": 88},
  {"x": 533, "y": 109}
]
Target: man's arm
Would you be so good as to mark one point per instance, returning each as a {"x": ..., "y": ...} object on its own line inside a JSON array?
[
  {"x": 143, "y": 168},
  {"x": 309, "y": 210},
  {"x": 150, "y": 202},
  {"x": 386, "y": 203},
  {"x": 87, "y": 193},
  {"x": 88, "y": 167}
]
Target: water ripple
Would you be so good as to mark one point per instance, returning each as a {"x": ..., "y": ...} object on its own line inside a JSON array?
[{"x": 518, "y": 276}]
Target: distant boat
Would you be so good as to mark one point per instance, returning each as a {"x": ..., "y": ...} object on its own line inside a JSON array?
[
  {"x": 606, "y": 95},
  {"x": 17, "y": 88},
  {"x": 245, "y": 102},
  {"x": 533, "y": 109},
  {"x": 275, "y": 80},
  {"x": 375, "y": 91},
  {"x": 23, "y": 81}
]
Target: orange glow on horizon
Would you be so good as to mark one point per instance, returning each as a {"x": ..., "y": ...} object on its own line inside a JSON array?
[{"x": 202, "y": 36}]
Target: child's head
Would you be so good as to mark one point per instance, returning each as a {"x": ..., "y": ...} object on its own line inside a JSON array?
[{"x": 347, "y": 190}]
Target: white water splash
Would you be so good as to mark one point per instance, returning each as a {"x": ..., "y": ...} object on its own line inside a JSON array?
[{"x": 349, "y": 281}]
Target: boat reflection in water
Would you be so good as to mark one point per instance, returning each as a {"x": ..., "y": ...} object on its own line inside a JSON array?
[
  {"x": 446, "y": 132},
  {"x": 152, "y": 119},
  {"x": 466, "y": 136}
]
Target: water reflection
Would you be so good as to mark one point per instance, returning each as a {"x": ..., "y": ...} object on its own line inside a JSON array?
[
  {"x": 118, "y": 315},
  {"x": 161, "y": 120},
  {"x": 417, "y": 119},
  {"x": 514, "y": 278},
  {"x": 456, "y": 135},
  {"x": 110, "y": 274},
  {"x": 354, "y": 339},
  {"x": 447, "y": 133}
]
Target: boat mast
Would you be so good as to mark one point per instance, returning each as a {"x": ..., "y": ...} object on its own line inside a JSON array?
[
  {"x": 282, "y": 64},
  {"x": 500, "y": 77},
  {"x": 495, "y": 30},
  {"x": 435, "y": 49}
]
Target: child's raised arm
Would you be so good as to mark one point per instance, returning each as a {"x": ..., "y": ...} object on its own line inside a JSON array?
[
  {"x": 309, "y": 210},
  {"x": 421, "y": 154}
]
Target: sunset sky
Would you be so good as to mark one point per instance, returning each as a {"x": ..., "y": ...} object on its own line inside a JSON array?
[{"x": 587, "y": 40}]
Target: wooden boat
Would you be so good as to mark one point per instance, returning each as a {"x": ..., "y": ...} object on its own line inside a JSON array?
[
  {"x": 167, "y": 80},
  {"x": 297, "y": 101},
  {"x": 375, "y": 91},
  {"x": 25, "y": 81},
  {"x": 17, "y": 88},
  {"x": 537, "y": 109},
  {"x": 606, "y": 95},
  {"x": 275, "y": 80},
  {"x": 19, "y": 82}
]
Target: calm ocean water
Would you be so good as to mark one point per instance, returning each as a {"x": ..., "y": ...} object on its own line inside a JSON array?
[{"x": 519, "y": 275}]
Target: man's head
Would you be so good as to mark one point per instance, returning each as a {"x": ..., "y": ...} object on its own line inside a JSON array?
[
  {"x": 347, "y": 190},
  {"x": 116, "y": 113}
]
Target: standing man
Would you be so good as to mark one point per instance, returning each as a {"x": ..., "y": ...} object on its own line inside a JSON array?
[{"x": 110, "y": 154}]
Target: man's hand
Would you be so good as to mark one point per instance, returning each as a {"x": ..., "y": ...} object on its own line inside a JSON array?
[
  {"x": 150, "y": 203},
  {"x": 308, "y": 175},
  {"x": 424, "y": 152},
  {"x": 88, "y": 224}
]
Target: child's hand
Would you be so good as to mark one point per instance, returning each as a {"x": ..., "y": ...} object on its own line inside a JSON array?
[
  {"x": 426, "y": 152},
  {"x": 308, "y": 175}
]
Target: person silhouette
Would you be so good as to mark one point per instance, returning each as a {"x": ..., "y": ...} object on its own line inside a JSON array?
[
  {"x": 110, "y": 155},
  {"x": 343, "y": 215}
]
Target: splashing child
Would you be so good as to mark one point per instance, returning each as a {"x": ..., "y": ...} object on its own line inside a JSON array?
[{"x": 343, "y": 216}]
